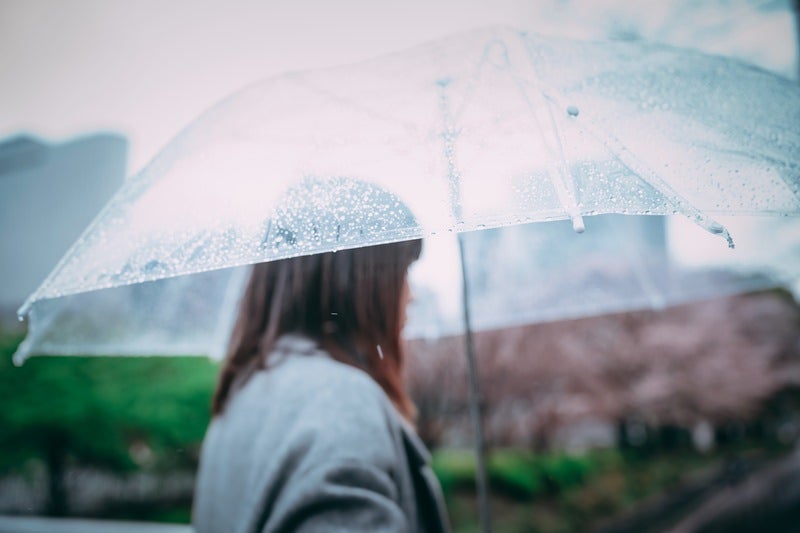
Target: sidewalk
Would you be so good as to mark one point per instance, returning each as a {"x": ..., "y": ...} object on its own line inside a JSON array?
[{"x": 25, "y": 524}]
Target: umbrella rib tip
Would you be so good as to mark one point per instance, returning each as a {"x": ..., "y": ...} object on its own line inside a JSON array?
[{"x": 577, "y": 224}]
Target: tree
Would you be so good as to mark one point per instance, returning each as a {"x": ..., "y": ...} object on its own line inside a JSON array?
[
  {"x": 101, "y": 412},
  {"x": 707, "y": 362}
]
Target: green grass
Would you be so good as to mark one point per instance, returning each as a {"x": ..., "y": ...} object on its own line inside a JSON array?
[{"x": 558, "y": 492}]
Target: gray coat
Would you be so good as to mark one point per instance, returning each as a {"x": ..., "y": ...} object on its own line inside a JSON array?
[{"x": 312, "y": 444}]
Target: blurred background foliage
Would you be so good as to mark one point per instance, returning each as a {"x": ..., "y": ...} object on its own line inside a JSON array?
[
  {"x": 119, "y": 438},
  {"x": 115, "y": 414}
]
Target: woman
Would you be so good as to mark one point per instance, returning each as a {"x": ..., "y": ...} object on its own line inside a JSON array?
[{"x": 312, "y": 424}]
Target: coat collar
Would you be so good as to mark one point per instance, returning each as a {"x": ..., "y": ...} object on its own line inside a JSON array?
[{"x": 418, "y": 455}]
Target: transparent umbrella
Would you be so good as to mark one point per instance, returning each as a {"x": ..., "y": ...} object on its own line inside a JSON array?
[
  {"x": 481, "y": 130},
  {"x": 490, "y": 128}
]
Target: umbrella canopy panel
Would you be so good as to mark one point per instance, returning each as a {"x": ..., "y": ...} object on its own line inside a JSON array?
[{"x": 489, "y": 128}]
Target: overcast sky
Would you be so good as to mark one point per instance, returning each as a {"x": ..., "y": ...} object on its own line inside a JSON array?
[{"x": 146, "y": 68}]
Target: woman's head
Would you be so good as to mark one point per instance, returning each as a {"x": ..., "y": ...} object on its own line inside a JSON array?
[{"x": 352, "y": 302}]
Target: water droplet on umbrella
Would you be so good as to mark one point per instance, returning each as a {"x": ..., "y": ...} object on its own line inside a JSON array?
[
  {"x": 573, "y": 111},
  {"x": 152, "y": 266}
]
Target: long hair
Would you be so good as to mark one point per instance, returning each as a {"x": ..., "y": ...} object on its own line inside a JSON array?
[{"x": 347, "y": 301}]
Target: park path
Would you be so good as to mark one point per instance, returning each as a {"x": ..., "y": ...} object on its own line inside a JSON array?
[{"x": 24, "y": 524}]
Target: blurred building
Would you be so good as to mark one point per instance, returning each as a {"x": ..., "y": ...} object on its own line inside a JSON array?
[
  {"x": 49, "y": 193},
  {"x": 545, "y": 271}
]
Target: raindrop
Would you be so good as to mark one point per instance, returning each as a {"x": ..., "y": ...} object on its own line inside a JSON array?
[
  {"x": 380, "y": 352},
  {"x": 716, "y": 228},
  {"x": 152, "y": 266},
  {"x": 573, "y": 111}
]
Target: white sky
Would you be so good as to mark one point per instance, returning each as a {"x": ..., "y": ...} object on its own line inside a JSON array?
[{"x": 146, "y": 68}]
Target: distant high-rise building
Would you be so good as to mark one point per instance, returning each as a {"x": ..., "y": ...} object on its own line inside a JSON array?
[
  {"x": 49, "y": 193},
  {"x": 545, "y": 271}
]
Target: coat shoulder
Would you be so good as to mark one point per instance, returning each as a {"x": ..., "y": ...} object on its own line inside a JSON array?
[
  {"x": 320, "y": 400},
  {"x": 323, "y": 384}
]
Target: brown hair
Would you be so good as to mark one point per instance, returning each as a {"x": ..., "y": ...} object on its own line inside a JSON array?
[{"x": 347, "y": 301}]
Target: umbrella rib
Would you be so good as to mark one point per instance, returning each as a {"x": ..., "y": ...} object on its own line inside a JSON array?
[
  {"x": 415, "y": 131},
  {"x": 629, "y": 159},
  {"x": 565, "y": 186},
  {"x": 356, "y": 106},
  {"x": 559, "y": 174},
  {"x": 641, "y": 169}
]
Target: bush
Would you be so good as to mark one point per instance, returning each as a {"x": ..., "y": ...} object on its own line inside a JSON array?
[
  {"x": 562, "y": 471},
  {"x": 455, "y": 470},
  {"x": 115, "y": 413},
  {"x": 516, "y": 474}
]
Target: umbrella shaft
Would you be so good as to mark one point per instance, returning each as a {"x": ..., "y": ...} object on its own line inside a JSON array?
[{"x": 475, "y": 400}]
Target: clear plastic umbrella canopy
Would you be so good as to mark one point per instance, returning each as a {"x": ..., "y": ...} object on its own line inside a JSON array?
[{"x": 481, "y": 130}]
